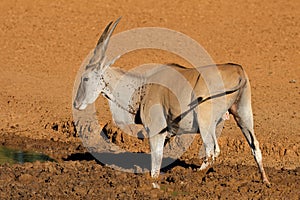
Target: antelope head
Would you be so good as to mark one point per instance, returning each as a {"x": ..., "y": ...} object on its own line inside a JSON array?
[{"x": 92, "y": 82}]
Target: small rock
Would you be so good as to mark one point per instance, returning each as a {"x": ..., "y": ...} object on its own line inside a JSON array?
[
  {"x": 137, "y": 169},
  {"x": 28, "y": 165},
  {"x": 290, "y": 152},
  {"x": 292, "y": 81},
  {"x": 282, "y": 151},
  {"x": 25, "y": 178},
  {"x": 79, "y": 190}
]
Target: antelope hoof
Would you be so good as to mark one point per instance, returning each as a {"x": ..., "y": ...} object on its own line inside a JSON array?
[
  {"x": 204, "y": 165},
  {"x": 267, "y": 183}
]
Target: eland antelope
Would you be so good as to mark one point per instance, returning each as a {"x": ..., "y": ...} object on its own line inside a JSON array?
[{"x": 163, "y": 112}]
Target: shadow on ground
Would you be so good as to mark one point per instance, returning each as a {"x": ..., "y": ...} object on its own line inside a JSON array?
[{"x": 137, "y": 162}]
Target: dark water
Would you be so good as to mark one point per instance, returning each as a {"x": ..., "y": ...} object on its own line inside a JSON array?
[{"x": 11, "y": 156}]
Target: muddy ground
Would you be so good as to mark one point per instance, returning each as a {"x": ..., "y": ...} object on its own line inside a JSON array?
[{"x": 42, "y": 46}]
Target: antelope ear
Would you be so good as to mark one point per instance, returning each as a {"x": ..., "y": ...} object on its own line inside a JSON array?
[
  {"x": 99, "y": 51},
  {"x": 109, "y": 63},
  {"x": 112, "y": 61}
]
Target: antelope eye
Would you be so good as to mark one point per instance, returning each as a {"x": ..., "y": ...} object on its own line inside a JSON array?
[{"x": 85, "y": 79}]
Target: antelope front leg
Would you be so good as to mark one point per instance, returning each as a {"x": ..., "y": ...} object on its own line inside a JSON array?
[{"x": 157, "y": 147}]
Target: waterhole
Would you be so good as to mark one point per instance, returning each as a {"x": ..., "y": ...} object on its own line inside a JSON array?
[{"x": 12, "y": 156}]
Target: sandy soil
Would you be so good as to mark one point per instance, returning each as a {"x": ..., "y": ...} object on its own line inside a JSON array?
[{"x": 43, "y": 44}]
